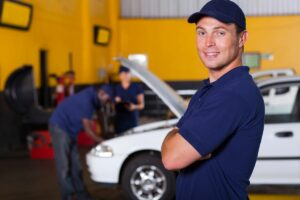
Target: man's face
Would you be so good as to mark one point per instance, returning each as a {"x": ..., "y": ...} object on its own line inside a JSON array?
[
  {"x": 125, "y": 76},
  {"x": 218, "y": 43}
]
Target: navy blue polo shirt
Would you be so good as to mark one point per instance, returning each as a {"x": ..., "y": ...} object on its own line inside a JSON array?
[
  {"x": 126, "y": 119},
  {"x": 225, "y": 119},
  {"x": 70, "y": 112}
]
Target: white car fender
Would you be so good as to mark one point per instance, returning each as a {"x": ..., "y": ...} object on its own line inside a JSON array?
[{"x": 108, "y": 169}]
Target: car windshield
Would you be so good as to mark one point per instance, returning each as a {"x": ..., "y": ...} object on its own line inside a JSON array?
[{"x": 168, "y": 95}]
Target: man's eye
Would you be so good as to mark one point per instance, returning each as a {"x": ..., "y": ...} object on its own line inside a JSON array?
[
  {"x": 221, "y": 33},
  {"x": 200, "y": 33}
]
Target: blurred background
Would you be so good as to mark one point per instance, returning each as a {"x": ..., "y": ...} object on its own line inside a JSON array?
[{"x": 52, "y": 49}]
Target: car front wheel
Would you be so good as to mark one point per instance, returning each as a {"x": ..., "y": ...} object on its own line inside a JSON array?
[{"x": 145, "y": 178}]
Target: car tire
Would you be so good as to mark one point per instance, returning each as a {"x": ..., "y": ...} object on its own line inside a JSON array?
[{"x": 145, "y": 178}]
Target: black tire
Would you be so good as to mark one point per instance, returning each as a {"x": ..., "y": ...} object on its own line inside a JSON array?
[{"x": 159, "y": 182}]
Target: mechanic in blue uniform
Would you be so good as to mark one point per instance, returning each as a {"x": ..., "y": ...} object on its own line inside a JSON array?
[
  {"x": 69, "y": 118},
  {"x": 216, "y": 142},
  {"x": 129, "y": 100}
]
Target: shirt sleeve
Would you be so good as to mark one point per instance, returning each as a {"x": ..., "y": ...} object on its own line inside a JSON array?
[
  {"x": 210, "y": 123},
  {"x": 182, "y": 119},
  {"x": 179, "y": 123},
  {"x": 139, "y": 89}
]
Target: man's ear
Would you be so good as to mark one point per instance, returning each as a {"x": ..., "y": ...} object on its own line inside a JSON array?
[{"x": 243, "y": 38}]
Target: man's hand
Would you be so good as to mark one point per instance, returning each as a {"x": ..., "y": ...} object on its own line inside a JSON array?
[
  {"x": 177, "y": 153},
  {"x": 118, "y": 99},
  {"x": 99, "y": 139},
  {"x": 132, "y": 107}
]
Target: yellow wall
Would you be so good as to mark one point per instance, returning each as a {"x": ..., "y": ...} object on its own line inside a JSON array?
[
  {"x": 278, "y": 35},
  {"x": 61, "y": 27},
  {"x": 95, "y": 57},
  {"x": 170, "y": 44}
]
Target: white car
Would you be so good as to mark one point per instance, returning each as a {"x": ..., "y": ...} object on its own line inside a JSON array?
[
  {"x": 133, "y": 160},
  {"x": 278, "y": 100}
]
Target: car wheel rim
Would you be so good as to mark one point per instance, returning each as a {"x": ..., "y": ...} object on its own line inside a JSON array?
[{"x": 148, "y": 182}]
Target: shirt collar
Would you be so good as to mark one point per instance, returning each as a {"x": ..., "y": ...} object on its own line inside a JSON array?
[{"x": 232, "y": 74}]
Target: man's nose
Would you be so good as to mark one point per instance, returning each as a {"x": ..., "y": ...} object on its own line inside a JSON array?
[{"x": 210, "y": 41}]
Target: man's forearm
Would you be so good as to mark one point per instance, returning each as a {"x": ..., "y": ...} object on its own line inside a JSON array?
[
  {"x": 169, "y": 135},
  {"x": 139, "y": 106},
  {"x": 177, "y": 153},
  {"x": 167, "y": 148},
  {"x": 88, "y": 129},
  {"x": 92, "y": 134}
]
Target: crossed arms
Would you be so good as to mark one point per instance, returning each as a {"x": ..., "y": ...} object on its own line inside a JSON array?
[{"x": 177, "y": 153}]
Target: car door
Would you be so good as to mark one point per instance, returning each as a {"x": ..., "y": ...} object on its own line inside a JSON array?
[
  {"x": 279, "y": 155},
  {"x": 280, "y": 100}
]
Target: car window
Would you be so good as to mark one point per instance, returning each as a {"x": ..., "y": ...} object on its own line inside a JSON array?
[
  {"x": 278, "y": 91},
  {"x": 282, "y": 90},
  {"x": 282, "y": 103}
]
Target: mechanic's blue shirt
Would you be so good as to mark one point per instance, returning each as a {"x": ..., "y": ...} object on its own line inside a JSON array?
[
  {"x": 70, "y": 112},
  {"x": 126, "y": 119},
  {"x": 224, "y": 119}
]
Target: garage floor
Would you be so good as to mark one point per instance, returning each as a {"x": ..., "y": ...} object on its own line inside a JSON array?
[{"x": 24, "y": 179}]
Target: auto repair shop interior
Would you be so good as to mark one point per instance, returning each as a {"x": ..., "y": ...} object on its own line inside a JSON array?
[{"x": 51, "y": 50}]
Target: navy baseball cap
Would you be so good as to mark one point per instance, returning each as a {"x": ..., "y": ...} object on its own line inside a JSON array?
[
  {"x": 225, "y": 11},
  {"x": 123, "y": 69}
]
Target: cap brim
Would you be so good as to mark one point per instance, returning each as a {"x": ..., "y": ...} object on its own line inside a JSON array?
[{"x": 194, "y": 18}]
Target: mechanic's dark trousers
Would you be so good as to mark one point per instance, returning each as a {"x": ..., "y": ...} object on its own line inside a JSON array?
[{"x": 68, "y": 165}]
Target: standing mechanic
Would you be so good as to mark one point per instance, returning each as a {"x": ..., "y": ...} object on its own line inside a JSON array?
[
  {"x": 69, "y": 118},
  {"x": 216, "y": 142},
  {"x": 129, "y": 99}
]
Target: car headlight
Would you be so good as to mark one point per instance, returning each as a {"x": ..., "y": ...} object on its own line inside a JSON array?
[{"x": 103, "y": 151}]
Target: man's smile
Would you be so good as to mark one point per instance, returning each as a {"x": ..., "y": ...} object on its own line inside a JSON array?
[{"x": 211, "y": 54}]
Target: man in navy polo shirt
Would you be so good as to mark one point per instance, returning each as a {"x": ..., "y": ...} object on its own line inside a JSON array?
[
  {"x": 216, "y": 142},
  {"x": 69, "y": 118}
]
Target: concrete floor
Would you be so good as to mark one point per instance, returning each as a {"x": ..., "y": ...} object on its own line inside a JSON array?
[{"x": 24, "y": 179}]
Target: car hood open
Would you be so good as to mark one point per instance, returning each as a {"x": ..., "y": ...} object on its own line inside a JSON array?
[{"x": 168, "y": 95}]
